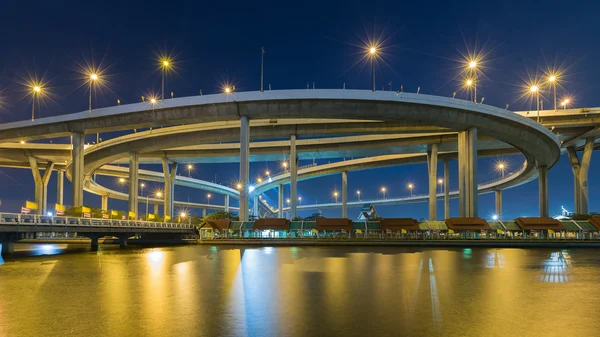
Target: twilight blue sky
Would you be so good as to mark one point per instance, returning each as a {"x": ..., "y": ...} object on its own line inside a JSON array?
[{"x": 214, "y": 43}]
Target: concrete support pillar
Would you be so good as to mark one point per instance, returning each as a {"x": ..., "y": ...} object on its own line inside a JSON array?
[
  {"x": 123, "y": 241},
  {"x": 41, "y": 184},
  {"x": 203, "y": 212},
  {"x": 226, "y": 203},
  {"x": 432, "y": 161},
  {"x": 7, "y": 247},
  {"x": 467, "y": 173},
  {"x": 244, "y": 166},
  {"x": 255, "y": 206},
  {"x": 105, "y": 202},
  {"x": 293, "y": 177},
  {"x": 94, "y": 242},
  {"x": 60, "y": 187},
  {"x": 575, "y": 166},
  {"x": 543, "y": 190},
  {"x": 280, "y": 201},
  {"x": 77, "y": 168},
  {"x": 156, "y": 211},
  {"x": 344, "y": 194},
  {"x": 133, "y": 183},
  {"x": 498, "y": 194},
  {"x": 583, "y": 175},
  {"x": 169, "y": 194},
  {"x": 446, "y": 190}
]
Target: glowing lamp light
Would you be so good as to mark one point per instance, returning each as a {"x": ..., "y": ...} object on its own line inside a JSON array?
[
  {"x": 372, "y": 50},
  {"x": 469, "y": 82},
  {"x": 250, "y": 188},
  {"x": 534, "y": 88},
  {"x": 259, "y": 180},
  {"x": 239, "y": 186},
  {"x": 159, "y": 194},
  {"x": 121, "y": 180},
  {"x": 472, "y": 64},
  {"x": 182, "y": 214},
  {"x": 93, "y": 77},
  {"x": 153, "y": 100},
  {"x": 165, "y": 63},
  {"x": 37, "y": 88},
  {"x": 22, "y": 142},
  {"x": 227, "y": 90},
  {"x": 440, "y": 181},
  {"x": 552, "y": 78},
  {"x": 494, "y": 217},
  {"x": 49, "y": 213}
]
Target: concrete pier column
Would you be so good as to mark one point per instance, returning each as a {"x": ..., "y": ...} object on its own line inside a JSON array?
[
  {"x": 446, "y": 189},
  {"x": 169, "y": 193},
  {"x": 543, "y": 190},
  {"x": 575, "y": 167},
  {"x": 498, "y": 194},
  {"x": 293, "y": 177},
  {"x": 156, "y": 211},
  {"x": 226, "y": 203},
  {"x": 432, "y": 161},
  {"x": 41, "y": 184},
  {"x": 133, "y": 183},
  {"x": 467, "y": 173},
  {"x": 280, "y": 200},
  {"x": 60, "y": 187},
  {"x": 583, "y": 175},
  {"x": 203, "y": 212},
  {"x": 244, "y": 166},
  {"x": 123, "y": 241},
  {"x": 7, "y": 247},
  {"x": 255, "y": 206},
  {"x": 77, "y": 168},
  {"x": 105, "y": 202},
  {"x": 94, "y": 242},
  {"x": 344, "y": 194}
]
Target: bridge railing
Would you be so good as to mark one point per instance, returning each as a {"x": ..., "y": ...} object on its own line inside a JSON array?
[{"x": 67, "y": 221}]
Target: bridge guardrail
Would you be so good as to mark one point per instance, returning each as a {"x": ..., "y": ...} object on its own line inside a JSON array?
[{"x": 67, "y": 221}]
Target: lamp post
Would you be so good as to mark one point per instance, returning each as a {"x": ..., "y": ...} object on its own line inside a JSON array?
[
  {"x": 93, "y": 79},
  {"x": 552, "y": 80},
  {"x": 36, "y": 91},
  {"x": 410, "y": 188},
  {"x": 501, "y": 167},
  {"x": 300, "y": 201},
  {"x": 441, "y": 183},
  {"x": 473, "y": 67},
  {"x": 189, "y": 168},
  {"x": 564, "y": 103},
  {"x": 535, "y": 90},
  {"x": 165, "y": 64},
  {"x": 358, "y": 195},
  {"x": 208, "y": 198},
  {"x": 335, "y": 194},
  {"x": 469, "y": 84},
  {"x": 383, "y": 189},
  {"x": 372, "y": 55}
]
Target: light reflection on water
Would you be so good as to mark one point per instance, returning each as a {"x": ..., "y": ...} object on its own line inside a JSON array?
[{"x": 296, "y": 291}]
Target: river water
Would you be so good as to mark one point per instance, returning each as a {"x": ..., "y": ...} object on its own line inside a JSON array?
[{"x": 300, "y": 291}]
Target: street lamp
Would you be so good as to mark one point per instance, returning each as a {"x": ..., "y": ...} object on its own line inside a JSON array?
[
  {"x": 469, "y": 84},
  {"x": 208, "y": 198},
  {"x": 372, "y": 56},
  {"x": 287, "y": 200},
  {"x": 501, "y": 167},
  {"x": 535, "y": 90},
  {"x": 259, "y": 180},
  {"x": 473, "y": 67},
  {"x": 441, "y": 183},
  {"x": 189, "y": 168},
  {"x": 165, "y": 64},
  {"x": 552, "y": 80},
  {"x": 383, "y": 189},
  {"x": 300, "y": 200},
  {"x": 564, "y": 103},
  {"x": 358, "y": 194},
  {"x": 239, "y": 186},
  {"x": 410, "y": 188},
  {"x": 335, "y": 194},
  {"x": 93, "y": 79},
  {"x": 36, "y": 91}
]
